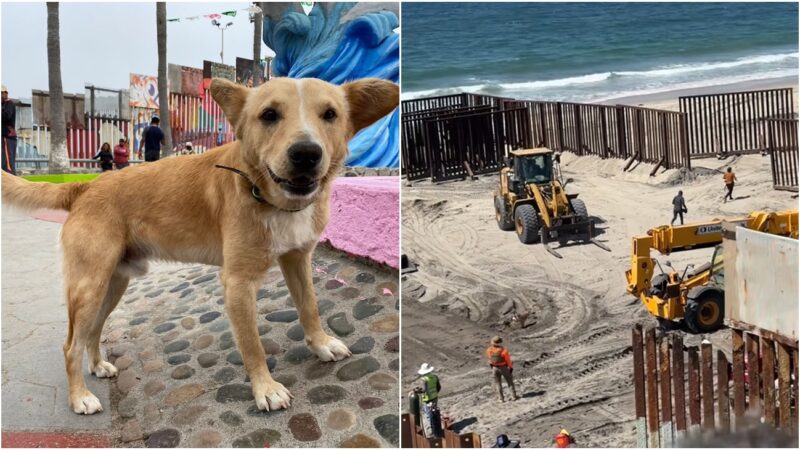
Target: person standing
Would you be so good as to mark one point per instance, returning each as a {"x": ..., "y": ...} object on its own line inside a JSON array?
[
  {"x": 121, "y": 154},
  {"x": 500, "y": 362},
  {"x": 678, "y": 207},
  {"x": 152, "y": 140},
  {"x": 729, "y": 178},
  {"x": 9, "y": 134},
  {"x": 429, "y": 396},
  {"x": 105, "y": 156}
]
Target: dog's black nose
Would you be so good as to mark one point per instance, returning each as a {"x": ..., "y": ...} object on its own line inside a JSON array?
[{"x": 305, "y": 156}]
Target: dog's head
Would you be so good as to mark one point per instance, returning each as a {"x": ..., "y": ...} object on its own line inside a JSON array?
[{"x": 294, "y": 132}]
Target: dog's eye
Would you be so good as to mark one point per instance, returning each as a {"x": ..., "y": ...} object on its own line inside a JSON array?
[
  {"x": 270, "y": 115},
  {"x": 329, "y": 115}
]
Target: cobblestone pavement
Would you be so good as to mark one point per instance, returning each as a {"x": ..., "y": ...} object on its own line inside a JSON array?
[{"x": 182, "y": 382}]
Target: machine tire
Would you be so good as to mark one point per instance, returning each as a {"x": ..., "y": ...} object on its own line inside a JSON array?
[
  {"x": 579, "y": 208},
  {"x": 705, "y": 313},
  {"x": 526, "y": 222},
  {"x": 501, "y": 214}
]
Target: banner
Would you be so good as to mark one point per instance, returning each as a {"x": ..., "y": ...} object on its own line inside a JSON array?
[
  {"x": 217, "y": 70},
  {"x": 244, "y": 72},
  {"x": 218, "y": 15},
  {"x": 144, "y": 91}
]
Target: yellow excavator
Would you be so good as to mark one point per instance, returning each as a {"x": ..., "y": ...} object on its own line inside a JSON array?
[{"x": 696, "y": 296}]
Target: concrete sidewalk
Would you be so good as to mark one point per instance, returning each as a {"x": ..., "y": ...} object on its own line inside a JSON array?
[
  {"x": 181, "y": 380},
  {"x": 34, "y": 324}
]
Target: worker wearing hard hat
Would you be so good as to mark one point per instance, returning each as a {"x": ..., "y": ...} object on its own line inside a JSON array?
[
  {"x": 500, "y": 362},
  {"x": 563, "y": 439},
  {"x": 430, "y": 385}
]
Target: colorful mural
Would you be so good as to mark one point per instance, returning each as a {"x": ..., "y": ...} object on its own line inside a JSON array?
[
  {"x": 144, "y": 91},
  {"x": 191, "y": 81}
]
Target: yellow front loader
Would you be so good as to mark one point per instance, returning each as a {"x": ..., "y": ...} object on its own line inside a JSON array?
[
  {"x": 532, "y": 201},
  {"x": 696, "y": 296}
]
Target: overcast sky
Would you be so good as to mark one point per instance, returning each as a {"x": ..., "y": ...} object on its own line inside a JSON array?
[{"x": 102, "y": 43}]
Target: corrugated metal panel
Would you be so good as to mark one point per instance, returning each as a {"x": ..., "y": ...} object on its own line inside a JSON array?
[{"x": 764, "y": 290}]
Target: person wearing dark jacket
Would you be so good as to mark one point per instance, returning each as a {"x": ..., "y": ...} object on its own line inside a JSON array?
[
  {"x": 678, "y": 208},
  {"x": 9, "y": 134},
  {"x": 105, "y": 156},
  {"x": 503, "y": 441}
]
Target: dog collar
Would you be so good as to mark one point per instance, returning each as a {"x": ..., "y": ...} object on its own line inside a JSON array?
[{"x": 255, "y": 191}]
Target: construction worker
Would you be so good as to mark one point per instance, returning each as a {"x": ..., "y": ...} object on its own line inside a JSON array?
[
  {"x": 429, "y": 395},
  {"x": 563, "y": 439},
  {"x": 503, "y": 441},
  {"x": 500, "y": 362},
  {"x": 729, "y": 178},
  {"x": 678, "y": 207}
]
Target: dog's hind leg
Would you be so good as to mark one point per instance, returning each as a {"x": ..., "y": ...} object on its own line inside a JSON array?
[
  {"x": 296, "y": 268},
  {"x": 241, "y": 278},
  {"x": 97, "y": 365},
  {"x": 88, "y": 269}
]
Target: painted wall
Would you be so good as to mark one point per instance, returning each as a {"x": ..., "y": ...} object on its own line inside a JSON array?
[{"x": 340, "y": 42}]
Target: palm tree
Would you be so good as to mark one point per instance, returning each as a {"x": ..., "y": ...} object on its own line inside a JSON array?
[
  {"x": 257, "y": 30},
  {"x": 163, "y": 92},
  {"x": 59, "y": 158}
]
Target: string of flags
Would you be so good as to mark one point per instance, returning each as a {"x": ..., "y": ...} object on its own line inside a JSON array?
[{"x": 231, "y": 13}]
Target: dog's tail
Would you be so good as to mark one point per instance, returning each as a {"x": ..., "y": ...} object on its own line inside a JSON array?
[{"x": 28, "y": 195}]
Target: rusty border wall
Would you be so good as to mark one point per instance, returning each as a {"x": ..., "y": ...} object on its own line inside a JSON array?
[
  {"x": 705, "y": 126},
  {"x": 411, "y": 436},
  {"x": 782, "y": 146},
  {"x": 730, "y": 123},
  {"x": 450, "y": 136},
  {"x": 627, "y": 132},
  {"x": 679, "y": 390}
]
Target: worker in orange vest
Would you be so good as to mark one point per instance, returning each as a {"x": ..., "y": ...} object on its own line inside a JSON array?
[
  {"x": 500, "y": 362},
  {"x": 563, "y": 439}
]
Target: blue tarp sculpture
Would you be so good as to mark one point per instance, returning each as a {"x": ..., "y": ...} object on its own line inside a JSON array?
[{"x": 340, "y": 42}]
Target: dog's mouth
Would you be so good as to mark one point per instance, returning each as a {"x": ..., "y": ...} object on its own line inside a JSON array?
[{"x": 299, "y": 186}]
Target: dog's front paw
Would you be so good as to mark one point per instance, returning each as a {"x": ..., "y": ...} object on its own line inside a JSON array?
[
  {"x": 272, "y": 396},
  {"x": 331, "y": 349},
  {"x": 103, "y": 369},
  {"x": 85, "y": 403}
]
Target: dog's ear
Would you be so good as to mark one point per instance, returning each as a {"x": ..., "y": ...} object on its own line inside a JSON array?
[
  {"x": 369, "y": 99},
  {"x": 231, "y": 97}
]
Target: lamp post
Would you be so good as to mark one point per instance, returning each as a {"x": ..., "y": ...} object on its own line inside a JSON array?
[{"x": 222, "y": 28}]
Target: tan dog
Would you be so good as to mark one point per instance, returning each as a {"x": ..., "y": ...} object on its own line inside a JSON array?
[{"x": 291, "y": 143}]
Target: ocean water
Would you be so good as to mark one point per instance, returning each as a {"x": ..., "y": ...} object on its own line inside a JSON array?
[{"x": 593, "y": 51}]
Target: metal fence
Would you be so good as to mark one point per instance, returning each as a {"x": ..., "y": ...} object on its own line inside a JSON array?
[
  {"x": 729, "y": 123},
  {"x": 196, "y": 120},
  {"x": 474, "y": 142},
  {"x": 415, "y": 155},
  {"x": 781, "y": 137},
  {"x": 671, "y": 380},
  {"x": 642, "y": 134},
  {"x": 411, "y": 436},
  {"x": 454, "y": 100}
]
